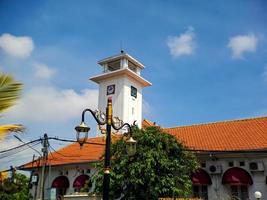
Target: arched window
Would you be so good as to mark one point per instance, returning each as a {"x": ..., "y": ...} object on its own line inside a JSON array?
[
  {"x": 80, "y": 182},
  {"x": 238, "y": 180},
  {"x": 200, "y": 180},
  {"x": 61, "y": 183}
]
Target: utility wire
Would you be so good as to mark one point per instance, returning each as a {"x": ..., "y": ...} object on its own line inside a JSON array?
[
  {"x": 17, "y": 147},
  {"x": 31, "y": 144},
  {"x": 67, "y": 140},
  {"x": 27, "y": 145},
  {"x": 17, "y": 150}
]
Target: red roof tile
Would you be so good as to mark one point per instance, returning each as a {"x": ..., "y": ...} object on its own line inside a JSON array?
[
  {"x": 146, "y": 123},
  {"x": 246, "y": 134},
  {"x": 73, "y": 153}
]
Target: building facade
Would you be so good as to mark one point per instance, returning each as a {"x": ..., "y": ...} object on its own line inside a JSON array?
[{"x": 232, "y": 154}]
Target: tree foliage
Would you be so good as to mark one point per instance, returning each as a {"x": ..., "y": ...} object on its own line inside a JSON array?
[
  {"x": 14, "y": 188},
  {"x": 161, "y": 167},
  {"x": 10, "y": 91}
]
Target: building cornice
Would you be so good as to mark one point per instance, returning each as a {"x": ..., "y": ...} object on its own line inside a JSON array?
[{"x": 121, "y": 72}]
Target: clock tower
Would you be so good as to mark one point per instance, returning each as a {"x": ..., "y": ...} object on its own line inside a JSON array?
[{"x": 121, "y": 79}]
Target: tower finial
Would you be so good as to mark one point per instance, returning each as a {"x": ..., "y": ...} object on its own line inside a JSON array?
[{"x": 121, "y": 47}]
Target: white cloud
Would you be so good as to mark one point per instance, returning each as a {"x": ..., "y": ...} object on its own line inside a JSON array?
[
  {"x": 20, "y": 47},
  {"x": 43, "y": 71},
  {"x": 184, "y": 44},
  {"x": 241, "y": 44},
  {"x": 47, "y": 104}
]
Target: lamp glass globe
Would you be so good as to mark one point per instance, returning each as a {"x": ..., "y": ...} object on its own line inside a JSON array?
[{"x": 257, "y": 194}]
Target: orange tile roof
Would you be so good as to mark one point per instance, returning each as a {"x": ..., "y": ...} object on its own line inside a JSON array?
[
  {"x": 73, "y": 153},
  {"x": 146, "y": 123},
  {"x": 235, "y": 135}
]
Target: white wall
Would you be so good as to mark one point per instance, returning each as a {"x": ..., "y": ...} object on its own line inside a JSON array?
[
  {"x": 70, "y": 171},
  {"x": 218, "y": 191},
  {"x": 123, "y": 102}
]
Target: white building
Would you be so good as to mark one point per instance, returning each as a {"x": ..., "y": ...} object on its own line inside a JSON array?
[
  {"x": 121, "y": 79},
  {"x": 233, "y": 154}
]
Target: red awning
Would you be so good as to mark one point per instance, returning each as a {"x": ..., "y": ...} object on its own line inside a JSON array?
[
  {"x": 80, "y": 181},
  {"x": 61, "y": 182},
  {"x": 201, "y": 177},
  {"x": 237, "y": 176}
]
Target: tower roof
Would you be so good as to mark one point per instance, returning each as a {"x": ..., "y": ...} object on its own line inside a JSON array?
[
  {"x": 121, "y": 72},
  {"x": 119, "y": 56}
]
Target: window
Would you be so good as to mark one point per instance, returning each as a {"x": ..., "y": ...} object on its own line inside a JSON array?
[
  {"x": 113, "y": 65},
  {"x": 242, "y": 163},
  {"x": 239, "y": 192},
  {"x": 231, "y": 164},
  {"x": 203, "y": 165},
  {"x": 133, "y": 92},
  {"x": 132, "y": 66},
  {"x": 200, "y": 191}
]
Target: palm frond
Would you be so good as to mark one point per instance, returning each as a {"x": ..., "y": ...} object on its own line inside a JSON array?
[
  {"x": 8, "y": 128},
  {"x": 10, "y": 91}
]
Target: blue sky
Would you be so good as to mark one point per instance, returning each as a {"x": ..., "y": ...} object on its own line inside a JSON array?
[{"x": 206, "y": 59}]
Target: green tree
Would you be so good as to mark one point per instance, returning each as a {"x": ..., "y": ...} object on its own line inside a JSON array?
[
  {"x": 161, "y": 167},
  {"x": 15, "y": 188},
  {"x": 9, "y": 93}
]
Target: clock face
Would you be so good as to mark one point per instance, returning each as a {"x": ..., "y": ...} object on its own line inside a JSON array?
[
  {"x": 133, "y": 92},
  {"x": 110, "y": 89}
]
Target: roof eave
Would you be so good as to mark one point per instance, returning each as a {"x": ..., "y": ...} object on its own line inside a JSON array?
[
  {"x": 127, "y": 72},
  {"x": 122, "y": 55}
]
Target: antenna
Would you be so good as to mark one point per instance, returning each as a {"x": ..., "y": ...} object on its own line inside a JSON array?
[{"x": 121, "y": 46}]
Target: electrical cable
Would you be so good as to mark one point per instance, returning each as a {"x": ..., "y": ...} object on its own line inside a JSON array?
[
  {"x": 25, "y": 144},
  {"x": 16, "y": 150},
  {"x": 67, "y": 140}
]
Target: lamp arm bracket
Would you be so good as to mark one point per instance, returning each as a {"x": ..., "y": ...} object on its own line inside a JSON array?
[
  {"x": 118, "y": 128},
  {"x": 94, "y": 115}
]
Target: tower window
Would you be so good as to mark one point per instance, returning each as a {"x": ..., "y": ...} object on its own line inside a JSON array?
[
  {"x": 133, "y": 92},
  {"x": 114, "y": 65},
  {"x": 132, "y": 66}
]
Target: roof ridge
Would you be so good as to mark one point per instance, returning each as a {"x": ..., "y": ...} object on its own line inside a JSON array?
[{"x": 218, "y": 122}]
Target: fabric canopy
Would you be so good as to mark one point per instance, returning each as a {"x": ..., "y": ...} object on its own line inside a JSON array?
[
  {"x": 61, "y": 182},
  {"x": 80, "y": 181},
  {"x": 237, "y": 176},
  {"x": 200, "y": 177}
]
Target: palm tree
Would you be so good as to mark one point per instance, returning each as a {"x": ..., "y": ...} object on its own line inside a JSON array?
[{"x": 10, "y": 91}]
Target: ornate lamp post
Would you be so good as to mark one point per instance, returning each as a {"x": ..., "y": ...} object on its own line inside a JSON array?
[{"x": 105, "y": 119}]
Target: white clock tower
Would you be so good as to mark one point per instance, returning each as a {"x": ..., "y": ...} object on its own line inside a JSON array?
[{"x": 121, "y": 79}]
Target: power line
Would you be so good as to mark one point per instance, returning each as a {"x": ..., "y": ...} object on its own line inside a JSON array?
[
  {"x": 13, "y": 151},
  {"x": 27, "y": 145},
  {"x": 68, "y": 140},
  {"x": 17, "y": 147}
]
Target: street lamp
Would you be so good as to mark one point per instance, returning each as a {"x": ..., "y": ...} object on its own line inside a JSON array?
[
  {"x": 105, "y": 119},
  {"x": 258, "y": 195}
]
